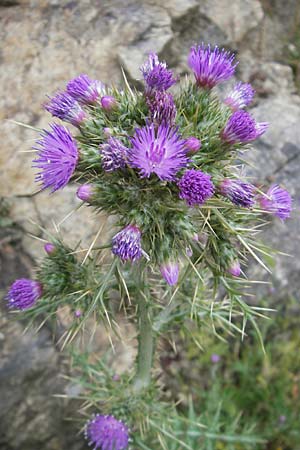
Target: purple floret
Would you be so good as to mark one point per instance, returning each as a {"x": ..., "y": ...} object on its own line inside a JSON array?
[
  {"x": 195, "y": 187},
  {"x": 242, "y": 128},
  {"x": 240, "y": 97},
  {"x": 127, "y": 243},
  {"x": 240, "y": 193},
  {"x": 170, "y": 272},
  {"x": 156, "y": 74},
  {"x": 57, "y": 157},
  {"x": 158, "y": 150},
  {"x": 107, "y": 433},
  {"x": 23, "y": 294},
  {"x": 85, "y": 90},
  {"x": 66, "y": 108},
  {"x": 162, "y": 108},
  {"x": 211, "y": 67},
  {"x": 277, "y": 201},
  {"x": 113, "y": 155}
]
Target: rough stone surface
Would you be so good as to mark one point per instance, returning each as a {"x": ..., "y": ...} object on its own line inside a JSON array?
[
  {"x": 236, "y": 18},
  {"x": 45, "y": 43}
]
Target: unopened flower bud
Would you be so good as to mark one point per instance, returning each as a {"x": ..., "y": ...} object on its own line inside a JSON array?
[{"x": 108, "y": 102}]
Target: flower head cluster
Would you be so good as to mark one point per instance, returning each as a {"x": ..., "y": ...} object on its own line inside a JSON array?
[
  {"x": 127, "y": 243},
  {"x": 195, "y": 187},
  {"x": 107, "y": 433},
  {"x": 242, "y": 128},
  {"x": 240, "y": 193},
  {"x": 156, "y": 75},
  {"x": 211, "y": 67},
  {"x": 57, "y": 157},
  {"x": 158, "y": 150},
  {"x": 113, "y": 155},
  {"x": 24, "y": 293},
  {"x": 85, "y": 90},
  {"x": 277, "y": 201},
  {"x": 240, "y": 97},
  {"x": 66, "y": 108}
]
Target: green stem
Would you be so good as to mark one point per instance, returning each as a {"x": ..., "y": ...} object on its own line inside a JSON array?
[{"x": 145, "y": 347}]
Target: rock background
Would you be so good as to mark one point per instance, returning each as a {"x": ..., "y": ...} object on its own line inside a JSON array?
[{"x": 46, "y": 42}]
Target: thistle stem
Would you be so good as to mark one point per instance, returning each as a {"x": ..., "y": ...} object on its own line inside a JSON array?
[{"x": 145, "y": 346}]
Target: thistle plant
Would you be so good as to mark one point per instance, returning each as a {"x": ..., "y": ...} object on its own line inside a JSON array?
[{"x": 170, "y": 168}]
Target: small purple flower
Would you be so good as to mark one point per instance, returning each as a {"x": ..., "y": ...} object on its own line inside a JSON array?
[
  {"x": 158, "y": 150},
  {"x": 127, "y": 243},
  {"x": 241, "y": 96},
  {"x": 78, "y": 313},
  {"x": 211, "y": 67},
  {"x": 113, "y": 155},
  {"x": 170, "y": 272},
  {"x": 24, "y": 293},
  {"x": 162, "y": 108},
  {"x": 242, "y": 128},
  {"x": 195, "y": 187},
  {"x": 156, "y": 75},
  {"x": 192, "y": 144},
  {"x": 215, "y": 358},
  {"x": 282, "y": 419},
  {"x": 85, "y": 192},
  {"x": 57, "y": 157},
  {"x": 66, "y": 108},
  {"x": 108, "y": 103},
  {"x": 277, "y": 201},
  {"x": 241, "y": 194},
  {"x": 107, "y": 433},
  {"x": 85, "y": 90},
  {"x": 49, "y": 248},
  {"x": 234, "y": 269}
]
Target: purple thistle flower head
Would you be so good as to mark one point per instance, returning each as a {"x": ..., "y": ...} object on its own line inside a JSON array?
[
  {"x": 241, "y": 194},
  {"x": 162, "y": 108},
  {"x": 23, "y": 293},
  {"x": 241, "y": 96},
  {"x": 234, "y": 269},
  {"x": 66, "y": 108},
  {"x": 49, "y": 248},
  {"x": 242, "y": 128},
  {"x": 127, "y": 243},
  {"x": 113, "y": 155},
  {"x": 158, "y": 150},
  {"x": 170, "y": 272},
  {"x": 85, "y": 90},
  {"x": 107, "y": 433},
  {"x": 277, "y": 201},
  {"x": 215, "y": 358},
  {"x": 57, "y": 157},
  {"x": 195, "y": 187},
  {"x": 192, "y": 144},
  {"x": 78, "y": 313},
  {"x": 108, "y": 103},
  {"x": 211, "y": 67},
  {"x": 156, "y": 75},
  {"x": 85, "y": 192}
]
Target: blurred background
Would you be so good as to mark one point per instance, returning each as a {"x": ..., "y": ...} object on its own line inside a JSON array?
[{"x": 44, "y": 44}]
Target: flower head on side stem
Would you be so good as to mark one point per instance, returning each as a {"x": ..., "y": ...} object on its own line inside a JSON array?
[
  {"x": 107, "y": 433},
  {"x": 57, "y": 157},
  {"x": 24, "y": 293},
  {"x": 277, "y": 201},
  {"x": 66, "y": 108},
  {"x": 127, "y": 243},
  {"x": 211, "y": 66}
]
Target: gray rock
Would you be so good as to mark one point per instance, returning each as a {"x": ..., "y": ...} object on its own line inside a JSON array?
[{"x": 235, "y": 18}]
